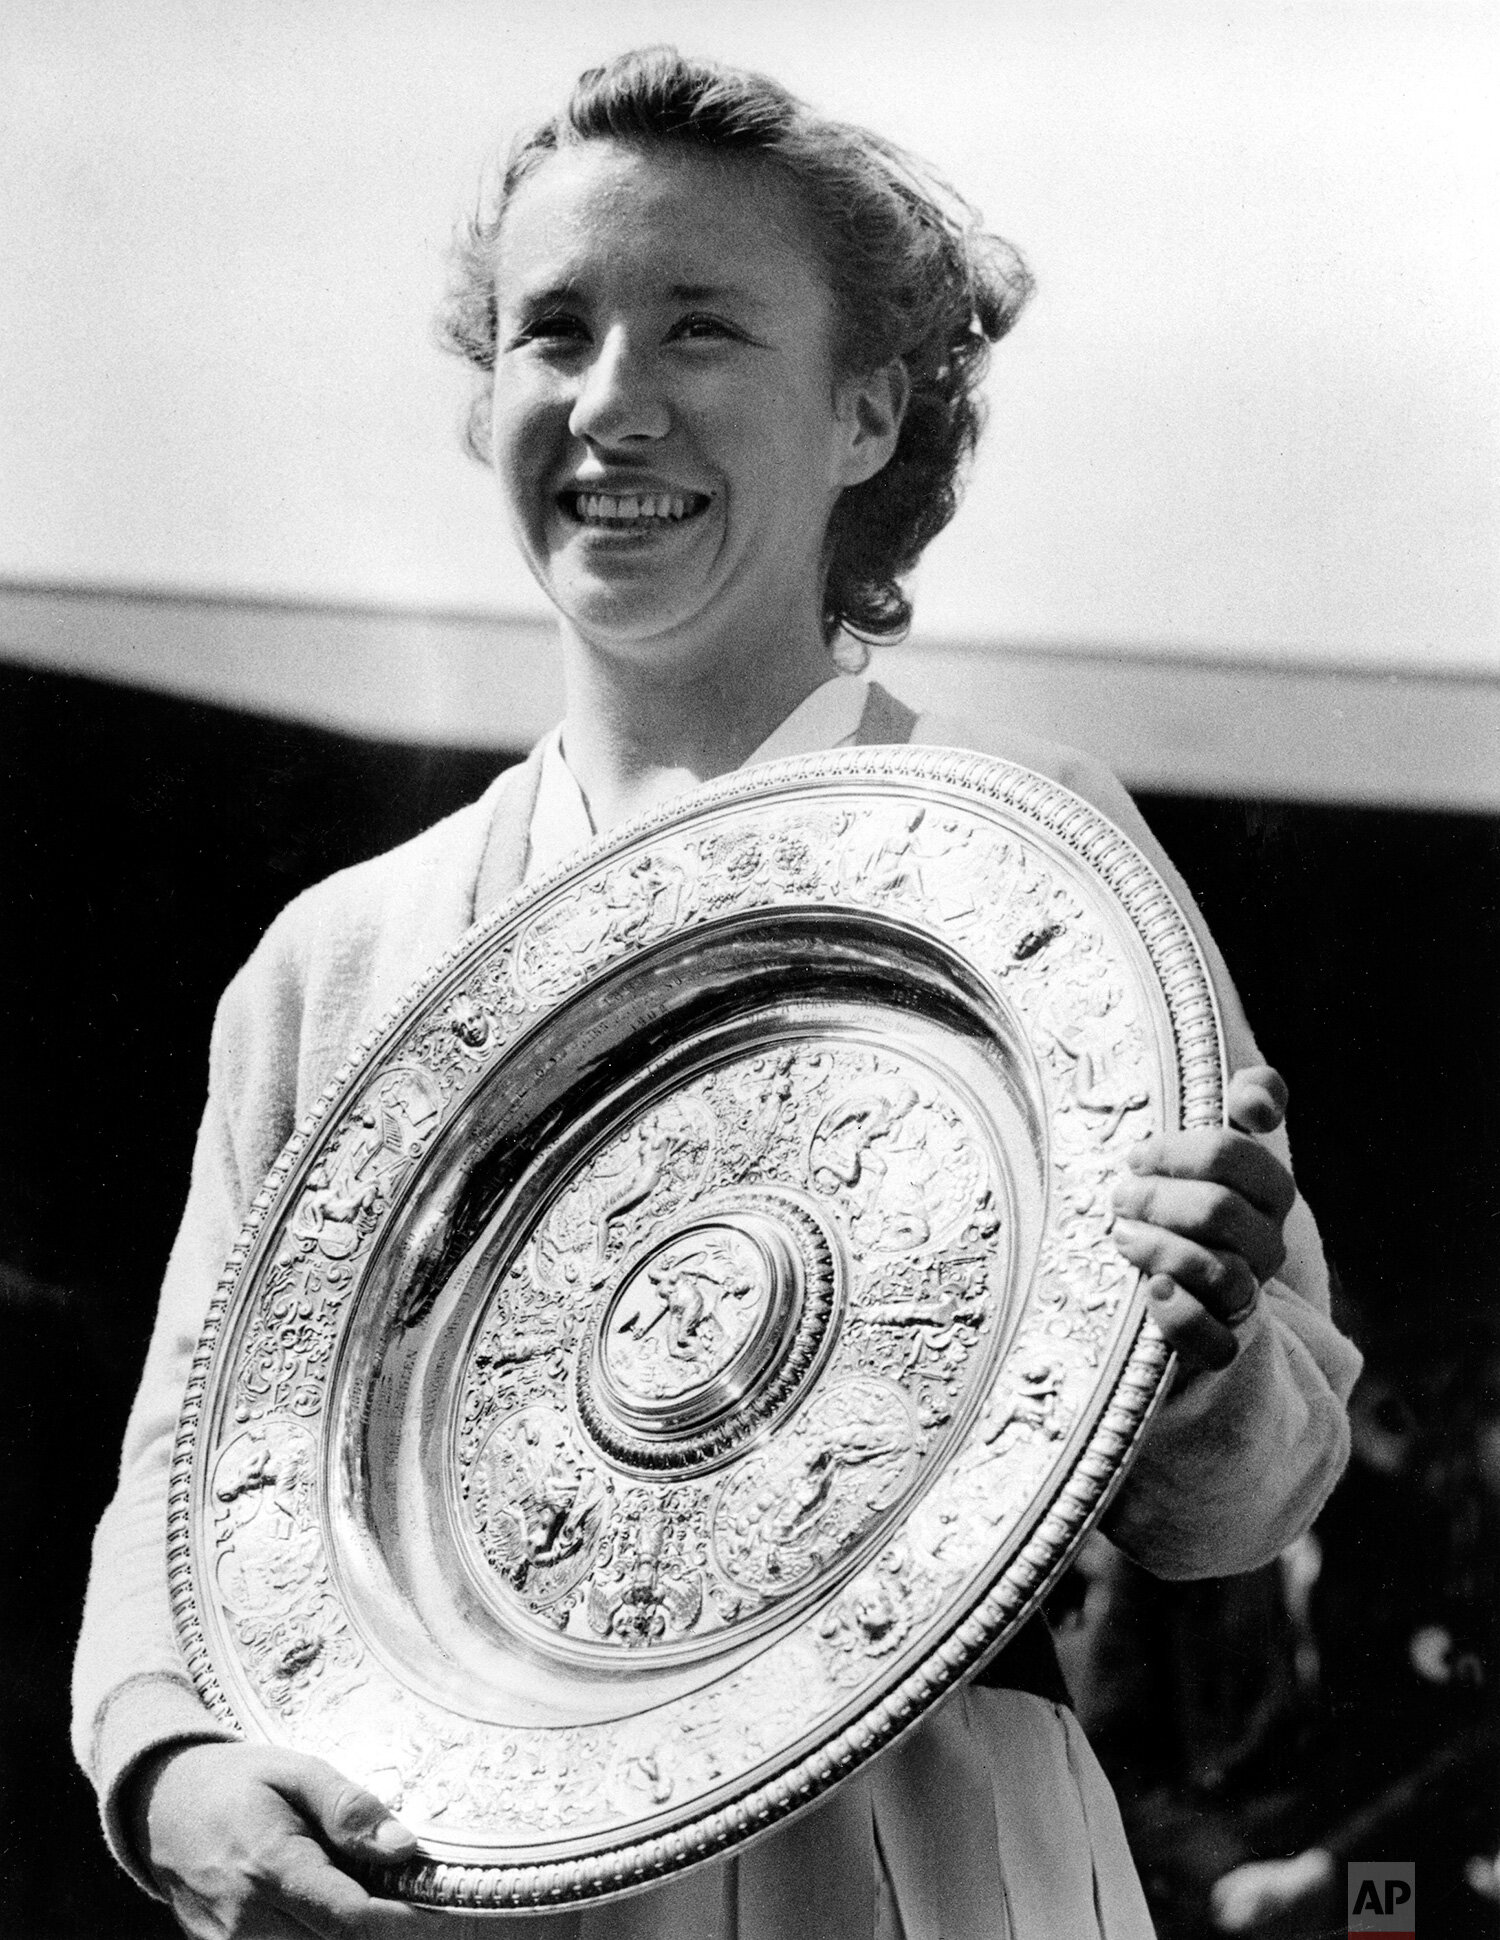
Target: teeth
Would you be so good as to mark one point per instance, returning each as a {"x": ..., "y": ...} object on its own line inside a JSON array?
[{"x": 630, "y": 508}]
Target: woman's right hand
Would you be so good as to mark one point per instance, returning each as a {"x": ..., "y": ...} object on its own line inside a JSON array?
[{"x": 243, "y": 1841}]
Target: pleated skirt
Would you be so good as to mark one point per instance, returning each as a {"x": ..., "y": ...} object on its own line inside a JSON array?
[{"x": 992, "y": 1821}]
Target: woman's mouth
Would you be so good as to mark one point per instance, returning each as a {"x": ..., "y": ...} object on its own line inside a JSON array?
[{"x": 639, "y": 511}]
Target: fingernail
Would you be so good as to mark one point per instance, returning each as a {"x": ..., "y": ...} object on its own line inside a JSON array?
[
  {"x": 390, "y": 1836},
  {"x": 1136, "y": 1157}
]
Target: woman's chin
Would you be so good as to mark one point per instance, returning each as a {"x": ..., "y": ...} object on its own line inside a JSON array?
[{"x": 634, "y": 632}]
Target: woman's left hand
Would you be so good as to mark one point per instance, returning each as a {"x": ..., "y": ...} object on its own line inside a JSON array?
[{"x": 1201, "y": 1213}]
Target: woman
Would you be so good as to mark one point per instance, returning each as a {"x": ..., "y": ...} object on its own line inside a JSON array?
[{"x": 729, "y": 359}]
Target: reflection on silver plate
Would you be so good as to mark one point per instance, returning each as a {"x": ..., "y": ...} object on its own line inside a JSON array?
[{"x": 686, "y": 1339}]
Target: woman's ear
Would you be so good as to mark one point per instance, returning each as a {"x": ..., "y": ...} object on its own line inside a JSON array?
[{"x": 870, "y": 410}]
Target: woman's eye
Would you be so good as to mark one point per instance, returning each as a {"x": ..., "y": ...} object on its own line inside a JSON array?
[
  {"x": 699, "y": 327},
  {"x": 556, "y": 328}
]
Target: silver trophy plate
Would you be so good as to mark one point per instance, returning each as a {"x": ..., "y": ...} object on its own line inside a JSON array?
[{"x": 685, "y": 1340}]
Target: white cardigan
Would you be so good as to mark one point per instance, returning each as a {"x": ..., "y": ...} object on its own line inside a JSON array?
[{"x": 1236, "y": 1465}]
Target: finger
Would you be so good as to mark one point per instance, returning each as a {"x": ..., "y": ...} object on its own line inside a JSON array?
[
  {"x": 1214, "y": 1216},
  {"x": 352, "y": 1820},
  {"x": 1190, "y": 1329},
  {"x": 311, "y": 1889},
  {"x": 1221, "y": 1282},
  {"x": 1257, "y": 1099},
  {"x": 1225, "y": 1158},
  {"x": 391, "y": 1920},
  {"x": 329, "y": 1904},
  {"x": 205, "y": 1918}
]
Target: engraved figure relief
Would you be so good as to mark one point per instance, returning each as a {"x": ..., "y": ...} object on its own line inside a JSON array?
[
  {"x": 645, "y": 1588},
  {"x": 921, "y": 863},
  {"x": 1083, "y": 1289},
  {"x": 538, "y": 1506},
  {"x": 905, "y": 1168},
  {"x": 650, "y": 1763},
  {"x": 401, "y": 1111},
  {"x": 287, "y": 1346},
  {"x": 1027, "y": 1402},
  {"x": 1028, "y": 921},
  {"x": 761, "y": 1105},
  {"x": 1030, "y": 1412},
  {"x": 516, "y": 1342},
  {"x": 654, "y": 1165},
  {"x": 468, "y": 1022},
  {"x": 762, "y": 1101},
  {"x": 643, "y": 898},
  {"x": 779, "y": 857},
  {"x": 449, "y": 1771},
  {"x": 269, "y": 1569},
  {"x": 557, "y": 947},
  {"x": 683, "y": 1316},
  {"x": 291, "y": 1336},
  {"x": 871, "y": 1619},
  {"x": 937, "y": 1322},
  {"x": 516, "y": 1360},
  {"x": 265, "y": 1521},
  {"x": 1016, "y": 1439},
  {"x": 298, "y": 1655},
  {"x": 732, "y": 862},
  {"x": 331, "y": 1211},
  {"x": 632, "y": 903},
  {"x": 792, "y": 1510},
  {"x": 1087, "y": 1036},
  {"x": 798, "y": 858},
  {"x": 384, "y": 1135},
  {"x": 469, "y": 1032}
]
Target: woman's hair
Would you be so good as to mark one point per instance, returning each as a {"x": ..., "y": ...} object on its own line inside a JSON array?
[{"x": 912, "y": 273}]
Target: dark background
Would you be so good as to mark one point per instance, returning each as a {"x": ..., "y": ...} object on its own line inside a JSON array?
[{"x": 147, "y": 842}]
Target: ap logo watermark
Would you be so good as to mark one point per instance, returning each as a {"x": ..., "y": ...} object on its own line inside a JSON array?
[{"x": 1383, "y": 1898}]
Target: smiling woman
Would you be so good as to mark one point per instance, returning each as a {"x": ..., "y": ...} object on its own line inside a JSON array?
[
  {"x": 729, "y": 356},
  {"x": 664, "y": 340},
  {"x": 897, "y": 269}
]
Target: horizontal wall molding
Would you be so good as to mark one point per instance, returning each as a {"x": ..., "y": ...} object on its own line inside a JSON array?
[{"x": 1200, "y": 724}]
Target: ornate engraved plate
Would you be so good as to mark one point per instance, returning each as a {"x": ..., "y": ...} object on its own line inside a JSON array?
[{"x": 685, "y": 1339}]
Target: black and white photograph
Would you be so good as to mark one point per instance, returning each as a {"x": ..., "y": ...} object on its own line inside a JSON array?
[{"x": 751, "y": 871}]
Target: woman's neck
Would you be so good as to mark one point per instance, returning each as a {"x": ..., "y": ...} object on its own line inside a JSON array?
[{"x": 634, "y": 737}]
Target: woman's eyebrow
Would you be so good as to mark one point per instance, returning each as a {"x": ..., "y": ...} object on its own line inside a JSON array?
[
  {"x": 567, "y": 291},
  {"x": 546, "y": 296},
  {"x": 715, "y": 293}
]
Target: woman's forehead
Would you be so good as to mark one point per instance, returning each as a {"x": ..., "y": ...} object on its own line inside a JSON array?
[{"x": 669, "y": 216}]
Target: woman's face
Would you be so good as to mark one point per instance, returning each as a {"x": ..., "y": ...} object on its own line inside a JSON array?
[{"x": 669, "y": 433}]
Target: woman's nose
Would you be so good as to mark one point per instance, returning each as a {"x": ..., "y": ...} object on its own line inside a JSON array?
[{"x": 620, "y": 396}]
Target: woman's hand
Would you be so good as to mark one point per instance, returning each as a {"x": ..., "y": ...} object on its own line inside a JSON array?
[
  {"x": 242, "y": 1840},
  {"x": 1202, "y": 1214}
]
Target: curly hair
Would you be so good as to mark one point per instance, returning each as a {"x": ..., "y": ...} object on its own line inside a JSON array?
[{"x": 912, "y": 272}]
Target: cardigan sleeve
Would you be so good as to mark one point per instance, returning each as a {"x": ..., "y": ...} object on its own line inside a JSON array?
[
  {"x": 1238, "y": 1462},
  {"x": 334, "y": 961},
  {"x": 131, "y": 1691}
]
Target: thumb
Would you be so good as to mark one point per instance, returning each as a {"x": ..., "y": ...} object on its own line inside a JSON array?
[
  {"x": 352, "y": 1820},
  {"x": 1257, "y": 1099}
]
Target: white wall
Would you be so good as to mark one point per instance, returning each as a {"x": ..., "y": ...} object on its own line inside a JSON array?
[{"x": 1252, "y": 413}]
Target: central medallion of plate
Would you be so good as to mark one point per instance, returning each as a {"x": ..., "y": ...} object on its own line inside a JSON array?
[
  {"x": 708, "y": 1331},
  {"x": 694, "y": 1323}
]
